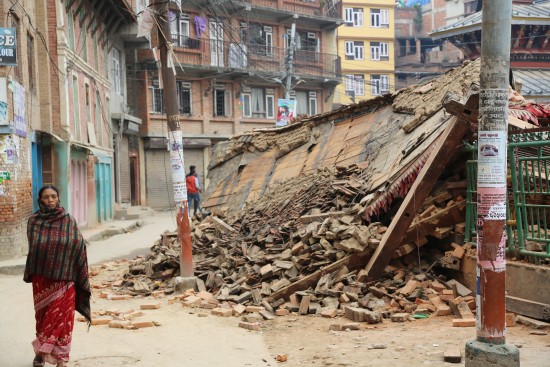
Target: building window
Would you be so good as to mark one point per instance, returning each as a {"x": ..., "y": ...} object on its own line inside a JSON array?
[
  {"x": 379, "y": 18},
  {"x": 379, "y": 51},
  {"x": 17, "y": 69},
  {"x": 156, "y": 98},
  {"x": 70, "y": 29},
  {"x": 222, "y": 101},
  {"x": 116, "y": 71},
  {"x": 355, "y": 85},
  {"x": 470, "y": 7},
  {"x": 83, "y": 36},
  {"x": 96, "y": 58},
  {"x": 355, "y": 50},
  {"x": 183, "y": 90},
  {"x": 379, "y": 84},
  {"x": 98, "y": 118},
  {"x": 259, "y": 39},
  {"x": 179, "y": 28},
  {"x": 353, "y": 17},
  {"x": 307, "y": 46},
  {"x": 88, "y": 106},
  {"x": 259, "y": 103},
  {"x": 306, "y": 102},
  {"x": 76, "y": 108},
  {"x": 30, "y": 62}
]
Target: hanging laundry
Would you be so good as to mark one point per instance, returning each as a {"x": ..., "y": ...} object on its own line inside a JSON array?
[{"x": 200, "y": 25}]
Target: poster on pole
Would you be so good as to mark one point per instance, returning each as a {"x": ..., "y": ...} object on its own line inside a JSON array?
[
  {"x": 285, "y": 111},
  {"x": 492, "y": 158}
]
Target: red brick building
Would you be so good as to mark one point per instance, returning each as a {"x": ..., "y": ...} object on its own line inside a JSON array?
[
  {"x": 58, "y": 97},
  {"x": 234, "y": 57}
]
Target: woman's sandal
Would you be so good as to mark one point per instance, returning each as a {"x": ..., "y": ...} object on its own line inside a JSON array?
[{"x": 38, "y": 362}]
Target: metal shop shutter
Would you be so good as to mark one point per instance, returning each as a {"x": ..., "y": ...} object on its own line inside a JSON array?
[
  {"x": 195, "y": 157},
  {"x": 158, "y": 180},
  {"x": 125, "y": 190}
]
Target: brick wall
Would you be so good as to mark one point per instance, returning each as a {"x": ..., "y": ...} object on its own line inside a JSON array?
[{"x": 15, "y": 151}]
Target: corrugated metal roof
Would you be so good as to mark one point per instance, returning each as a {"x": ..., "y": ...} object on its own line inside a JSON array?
[
  {"x": 534, "y": 82},
  {"x": 538, "y": 11}
]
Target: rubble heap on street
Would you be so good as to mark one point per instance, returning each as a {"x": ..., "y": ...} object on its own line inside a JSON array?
[{"x": 297, "y": 212}]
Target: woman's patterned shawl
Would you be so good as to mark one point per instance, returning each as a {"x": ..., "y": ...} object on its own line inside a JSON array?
[{"x": 57, "y": 251}]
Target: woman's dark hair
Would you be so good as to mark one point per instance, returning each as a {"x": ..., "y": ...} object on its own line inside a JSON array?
[{"x": 45, "y": 187}]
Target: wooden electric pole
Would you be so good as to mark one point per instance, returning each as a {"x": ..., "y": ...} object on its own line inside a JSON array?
[{"x": 175, "y": 140}]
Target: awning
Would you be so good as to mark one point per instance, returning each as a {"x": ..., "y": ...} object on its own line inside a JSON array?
[{"x": 103, "y": 155}]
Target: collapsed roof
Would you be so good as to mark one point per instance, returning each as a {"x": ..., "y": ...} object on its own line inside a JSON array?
[{"x": 390, "y": 137}]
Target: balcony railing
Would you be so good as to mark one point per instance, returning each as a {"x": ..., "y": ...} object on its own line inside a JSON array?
[
  {"x": 253, "y": 57},
  {"x": 325, "y": 8}
]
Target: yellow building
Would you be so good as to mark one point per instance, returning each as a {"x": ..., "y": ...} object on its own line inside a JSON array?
[{"x": 365, "y": 45}]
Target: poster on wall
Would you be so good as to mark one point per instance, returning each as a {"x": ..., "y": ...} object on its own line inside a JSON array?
[
  {"x": 19, "y": 109},
  {"x": 285, "y": 111},
  {"x": 3, "y": 101},
  {"x": 5, "y": 178}
]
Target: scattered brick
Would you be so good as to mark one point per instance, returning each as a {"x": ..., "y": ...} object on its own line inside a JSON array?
[
  {"x": 250, "y": 325},
  {"x": 400, "y": 317},
  {"x": 464, "y": 322},
  {"x": 223, "y": 312},
  {"x": 150, "y": 306}
]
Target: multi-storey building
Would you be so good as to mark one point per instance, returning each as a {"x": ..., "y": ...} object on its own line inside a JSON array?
[
  {"x": 82, "y": 84},
  {"x": 418, "y": 58},
  {"x": 233, "y": 61},
  {"x": 530, "y": 44},
  {"x": 366, "y": 45}
]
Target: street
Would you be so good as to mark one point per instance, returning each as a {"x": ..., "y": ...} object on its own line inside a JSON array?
[{"x": 194, "y": 337}]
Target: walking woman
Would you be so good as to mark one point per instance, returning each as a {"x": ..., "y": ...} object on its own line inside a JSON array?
[{"x": 57, "y": 266}]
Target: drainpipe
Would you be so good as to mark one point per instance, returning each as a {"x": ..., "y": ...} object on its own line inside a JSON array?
[{"x": 490, "y": 348}]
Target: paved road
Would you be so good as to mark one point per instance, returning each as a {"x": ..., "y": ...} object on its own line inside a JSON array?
[{"x": 183, "y": 339}]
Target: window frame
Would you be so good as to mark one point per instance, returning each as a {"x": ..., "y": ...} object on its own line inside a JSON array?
[
  {"x": 156, "y": 99},
  {"x": 359, "y": 50},
  {"x": 354, "y": 17},
  {"x": 179, "y": 88},
  {"x": 269, "y": 107},
  {"x": 117, "y": 82},
  {"x": 312, "y": 103},
  {"x": 76, "y": 109},
  {"x": 183, "y": 23},
  {"x": 30, "y": 63},
  {"x": 227, "y": 105}
]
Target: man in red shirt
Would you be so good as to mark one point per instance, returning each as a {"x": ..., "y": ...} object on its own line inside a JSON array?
[{"x": 193, "y": 189}]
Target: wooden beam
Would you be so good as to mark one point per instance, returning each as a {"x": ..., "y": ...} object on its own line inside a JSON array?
[
  {"x": 97, "y": 11},
  {"x": 69, "y": 4},
  {"x": 352, "y": 262},
  {"x": 448, "y": 142},
  {"x": 525, "y": 307},
  {"x": 77, "y": 11}
]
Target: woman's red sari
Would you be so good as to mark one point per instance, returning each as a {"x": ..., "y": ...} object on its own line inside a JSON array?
[{"x": 54, "y": 305}]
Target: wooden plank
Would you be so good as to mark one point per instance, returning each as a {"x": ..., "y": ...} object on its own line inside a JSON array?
[
  {"x": 430, "y": 172},
  {"x": 352, "y": 262},
  {"x": 536, "y": 310}
]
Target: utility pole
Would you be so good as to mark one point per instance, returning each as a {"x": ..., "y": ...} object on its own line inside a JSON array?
[
  {"x": 290, "y": 59},
  {"x": 175, "y": 141},
  {"x": 490, "y": 348}
]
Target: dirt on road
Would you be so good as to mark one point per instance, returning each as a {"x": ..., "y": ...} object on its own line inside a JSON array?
[{"x": 302, "y": 340}]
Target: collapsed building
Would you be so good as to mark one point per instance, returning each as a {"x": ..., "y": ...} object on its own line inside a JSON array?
[{"x": 357, "y": 207}]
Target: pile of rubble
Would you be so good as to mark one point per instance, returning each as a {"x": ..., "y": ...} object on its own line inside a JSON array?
[{"x": 300, "y": 248}]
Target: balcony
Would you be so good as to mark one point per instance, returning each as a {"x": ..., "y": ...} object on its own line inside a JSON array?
[
  {"x": 207, "y": 53},
  {"x": 321, "y": 14},
  {"x": 329, "y": 9}
]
